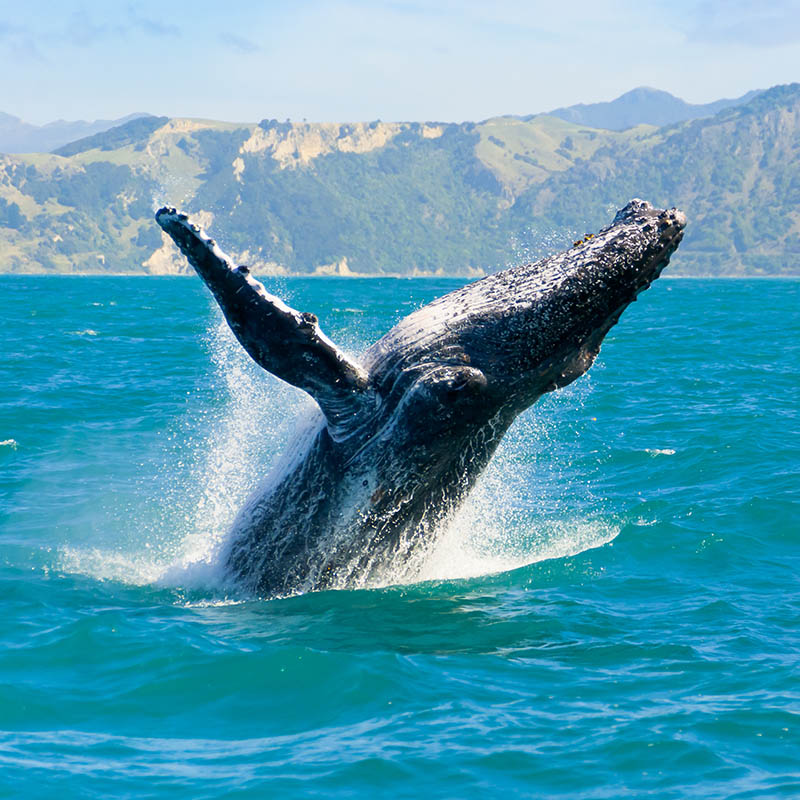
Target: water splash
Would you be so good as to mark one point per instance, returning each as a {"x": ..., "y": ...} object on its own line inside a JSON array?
[
  {"x": 208, "y": 465},
  {"x": 522, "y": 510},
  {"x": 237, "y": 443}
]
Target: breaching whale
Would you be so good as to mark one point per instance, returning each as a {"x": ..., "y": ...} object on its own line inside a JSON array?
[{"x": 405, "y": 431}]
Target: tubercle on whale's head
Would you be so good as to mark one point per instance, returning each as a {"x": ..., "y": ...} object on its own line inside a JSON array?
[
  {"x": 601, "y": 276},
  {"x": 631, "y": 253}
]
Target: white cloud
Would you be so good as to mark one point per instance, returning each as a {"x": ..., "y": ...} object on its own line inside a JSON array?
[{"x": 240, "y": 44}]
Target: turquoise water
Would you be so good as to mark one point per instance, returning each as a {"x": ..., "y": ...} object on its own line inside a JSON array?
[{"x": 616, "y": 613}]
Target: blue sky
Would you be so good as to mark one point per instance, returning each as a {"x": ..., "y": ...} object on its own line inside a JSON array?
[{"x": 400, "y": 60}]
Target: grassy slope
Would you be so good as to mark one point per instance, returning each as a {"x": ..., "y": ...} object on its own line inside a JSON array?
[
  {"x": 737, "y": 175},
  {"x": 408, "y": 198}
]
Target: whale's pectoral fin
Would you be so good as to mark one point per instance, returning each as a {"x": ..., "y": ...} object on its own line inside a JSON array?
[{"x": 283, "y": 341}]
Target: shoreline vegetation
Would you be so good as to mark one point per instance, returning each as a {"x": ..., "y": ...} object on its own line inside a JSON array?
[{"x": 383, "y": 199}]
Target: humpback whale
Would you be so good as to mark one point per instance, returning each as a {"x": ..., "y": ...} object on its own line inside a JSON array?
[{"x": 403, "y": 433}]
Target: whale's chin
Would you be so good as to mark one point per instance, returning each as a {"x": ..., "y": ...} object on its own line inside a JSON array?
[{"x": 575, "y": 364}]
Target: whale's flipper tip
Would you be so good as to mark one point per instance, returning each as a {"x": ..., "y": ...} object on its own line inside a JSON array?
[{"x": 278, "y": 338}]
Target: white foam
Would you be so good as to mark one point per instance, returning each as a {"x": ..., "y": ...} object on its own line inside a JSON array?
[
  {"x": 501, "y": 526},
  {"x": 210, "y": 465},
  {"x": 136, "y": 568},
  {"x": 469, "y": 551},
  {"x": 522, "y": 511}
]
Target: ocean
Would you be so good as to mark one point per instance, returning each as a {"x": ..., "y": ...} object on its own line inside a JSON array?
[{"x": 614, "y": 613}]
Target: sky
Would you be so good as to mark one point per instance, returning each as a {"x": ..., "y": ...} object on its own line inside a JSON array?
[{"x": 337, "y": 60}]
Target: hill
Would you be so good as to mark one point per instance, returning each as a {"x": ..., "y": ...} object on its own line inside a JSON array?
[
  {"x": 17, "y": 136},
  {"x": 407, "y": 198},
  {"x": 643, "y": 106}
]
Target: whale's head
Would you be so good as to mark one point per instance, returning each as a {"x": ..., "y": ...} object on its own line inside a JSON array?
[
  {"x": 498, "y": 344},
  {"x": 561, "y": 308}
]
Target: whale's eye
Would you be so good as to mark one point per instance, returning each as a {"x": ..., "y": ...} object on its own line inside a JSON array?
[{"x": 465, "y": 382}]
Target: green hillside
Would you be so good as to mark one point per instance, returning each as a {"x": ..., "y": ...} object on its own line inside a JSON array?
[{"x": 406, "y": 198}]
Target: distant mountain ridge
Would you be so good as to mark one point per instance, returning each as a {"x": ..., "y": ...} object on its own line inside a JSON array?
[
  {"x": 17, "y": 136},
  {"x": 643, "y": 105},
  {"x": 411, "y": 198}
]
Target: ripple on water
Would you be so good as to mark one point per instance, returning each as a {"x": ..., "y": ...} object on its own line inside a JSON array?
[{"x": 615, "y": 613}]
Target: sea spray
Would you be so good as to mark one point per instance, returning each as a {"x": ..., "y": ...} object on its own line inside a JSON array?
[
  {"x": 523, "y": 509},
  {"x": 526, "y": 507},
  {"x": 242, "y": 435}
]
